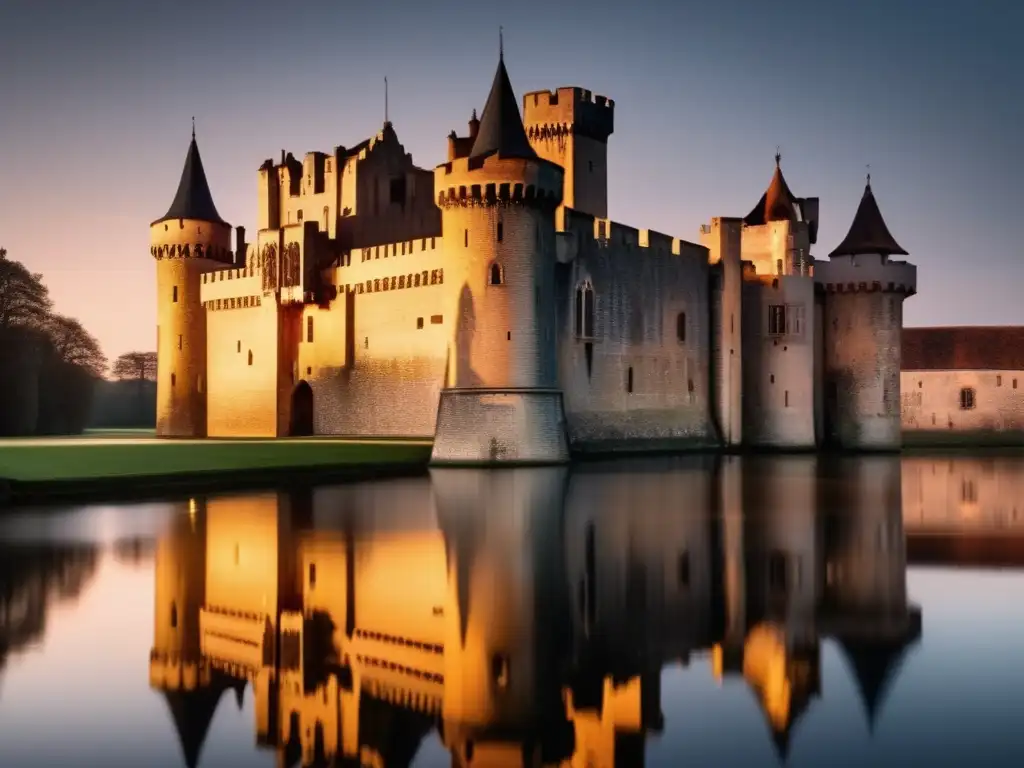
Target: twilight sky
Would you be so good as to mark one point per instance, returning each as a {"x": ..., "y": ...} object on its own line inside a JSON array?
[{"x": 96, "y": 99}]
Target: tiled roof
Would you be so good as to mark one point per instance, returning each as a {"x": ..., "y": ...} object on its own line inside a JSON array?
[{"x": 964, "y": 348}]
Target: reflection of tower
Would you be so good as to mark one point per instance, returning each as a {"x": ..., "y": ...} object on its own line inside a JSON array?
[
  {"x": 866, "y": 576},
  {"x": 176, "y": 664},
  {"x": 502, "y": 696},
  {"x": 772, "y": 570},
  {"x": 639, "y": 573},
  {"x": 780, "y": 499}
]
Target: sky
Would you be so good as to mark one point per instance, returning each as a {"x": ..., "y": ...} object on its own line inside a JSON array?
[{"x": 96, "y": 101}]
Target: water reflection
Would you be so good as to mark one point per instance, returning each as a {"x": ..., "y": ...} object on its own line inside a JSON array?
[
  {"x": 534, "y": 616},
  {"x": 526, "y": 614}
]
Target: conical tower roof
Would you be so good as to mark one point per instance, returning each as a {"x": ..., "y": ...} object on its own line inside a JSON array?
[
  {"x": 501, "y": 126},
  {"x": 192, "y": 712},
  {"x": 193, "y": 199},
  {"x": 868, "y": 233},
  {"x": 776, "y": 204},
  {"x": 875, "y": 665}
]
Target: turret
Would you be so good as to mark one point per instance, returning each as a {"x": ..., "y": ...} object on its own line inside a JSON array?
[
  {"x": 500, "y": 401},
  {"x": 864, "y": 290},
  {"x": 571, "y": 127},
  {"x": 189, "y": 240},
  {"x": 779, "y": 335}
]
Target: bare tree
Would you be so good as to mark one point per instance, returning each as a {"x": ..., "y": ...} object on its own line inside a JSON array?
[
  {"x": 75, "y": 345},
  {"x": 135, "y": 366}
]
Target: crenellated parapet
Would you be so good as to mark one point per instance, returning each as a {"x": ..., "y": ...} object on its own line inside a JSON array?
[
  {"x": 866, "y": 273},
  {"x": 565, "y": 111},
  {"x": 495, "y": 180},
  {"x": 192, "y": 251},
  {"x": 594, "y": 232}
]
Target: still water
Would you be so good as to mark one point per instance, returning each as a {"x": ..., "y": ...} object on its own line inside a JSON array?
[{"x": 668, "y": 612}]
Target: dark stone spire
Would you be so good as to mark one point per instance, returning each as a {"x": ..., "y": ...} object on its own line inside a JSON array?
[
  {"x": 777, "y": 203},
  {"x": 868, "y": 233},
  {"x": 501, "y": 125},
  {"x": 193, "y": 199}
]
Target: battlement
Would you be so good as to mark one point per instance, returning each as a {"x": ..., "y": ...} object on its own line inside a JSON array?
[
  {"x": 493, "y": 179},
  {"x": 385, "y": 250},
  {"x": 865, "y": 274},
  {"x": 230, "y": 274},
  {"x": 568, "y": 110},
  {"x": 603, "y": 233}
]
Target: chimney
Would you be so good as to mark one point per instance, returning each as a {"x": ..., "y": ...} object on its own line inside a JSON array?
[
  {"x": 282, "y": 157},
  {"x": 474, "y": 126}
]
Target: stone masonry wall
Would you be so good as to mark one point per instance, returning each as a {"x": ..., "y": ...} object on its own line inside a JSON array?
[
  {"x": 931, "y": 401},
  {"x": 635, "y": 379}
]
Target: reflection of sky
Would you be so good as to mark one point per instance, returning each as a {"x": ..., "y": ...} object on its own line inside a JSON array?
[
  {"x": 958, "y": 693},
  {"x": 83, "y": 693}
]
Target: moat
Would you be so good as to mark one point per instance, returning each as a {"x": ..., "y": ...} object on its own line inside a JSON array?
[{"x": 675, "y": 611}]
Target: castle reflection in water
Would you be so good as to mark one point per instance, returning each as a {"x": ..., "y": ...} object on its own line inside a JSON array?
[{"x": 526, "y": 614}]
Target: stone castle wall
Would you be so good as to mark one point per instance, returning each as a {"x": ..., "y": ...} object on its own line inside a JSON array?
[
  {"x": 931, "y": 401},
  {"x": 377, "y": 359},
  {"x": 642, "y": 372}
]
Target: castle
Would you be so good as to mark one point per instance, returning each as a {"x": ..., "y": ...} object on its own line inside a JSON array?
[{"x": 493, "y": 306}]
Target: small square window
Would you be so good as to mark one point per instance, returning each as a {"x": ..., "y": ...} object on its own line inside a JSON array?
[
  {"x": 966, "y": 398},
  {"x": 419, "y": 322}
]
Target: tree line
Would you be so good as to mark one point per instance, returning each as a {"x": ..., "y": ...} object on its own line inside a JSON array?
[{"x": 51, "y": 367}]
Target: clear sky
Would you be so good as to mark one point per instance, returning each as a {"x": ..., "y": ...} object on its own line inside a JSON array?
[{"x": 96, "y": 99}]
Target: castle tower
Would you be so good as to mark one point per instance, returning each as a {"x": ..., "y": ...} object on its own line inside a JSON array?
[
  {"x": 571, "y": 127},
  {"x": 862, "y": 324},
  {"x": 779, "y": 339},
  {"x": 500, "y": 402},
  {"x": 190, "y": 239}
]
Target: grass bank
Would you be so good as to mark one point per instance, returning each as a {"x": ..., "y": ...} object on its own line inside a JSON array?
[
  {"x": 120, "y": 464},
  {"x": 948, "y": 439}
]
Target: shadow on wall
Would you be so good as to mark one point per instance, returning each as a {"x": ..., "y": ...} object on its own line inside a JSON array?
[{"x": 465, "y": 329}]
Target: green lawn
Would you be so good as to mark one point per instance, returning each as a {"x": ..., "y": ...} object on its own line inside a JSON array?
[{"x": 128, "y": 455}]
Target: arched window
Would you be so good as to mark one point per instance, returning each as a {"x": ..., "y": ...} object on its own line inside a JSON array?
[
  {"x": 681, "y": 326},
  {"x": 174, "y": 615},
  {"x": 250, "y": 357},
  {"x": 327, "y": 213},
  {"x": 494, "y": 274},
  {"x": 585, "y": 311}
]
